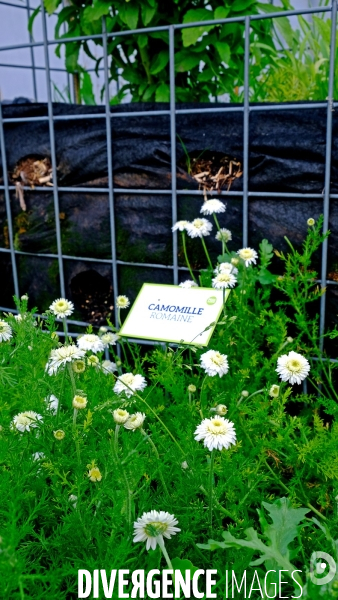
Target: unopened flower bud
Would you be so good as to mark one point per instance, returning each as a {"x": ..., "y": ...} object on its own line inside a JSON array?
[
  {"x": 245, "y": 393},
  {"x": 311, "y": 222},
  {"x": 274, "y": 391},
  {"x": 59, "y": 434},
  {"x": 79, "y": 402},
  {"x": 120, "y": 416},
  {"x": 192, "y": 388}
]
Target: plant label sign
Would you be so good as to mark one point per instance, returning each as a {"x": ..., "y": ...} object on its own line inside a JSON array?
[{"x": 169, "y": 313}]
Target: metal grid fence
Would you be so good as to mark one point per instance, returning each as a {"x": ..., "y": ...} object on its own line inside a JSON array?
[{"x": 174, "y": 110}]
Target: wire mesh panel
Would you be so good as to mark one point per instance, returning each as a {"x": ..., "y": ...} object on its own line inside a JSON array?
[{"x": 59, "y": 259}]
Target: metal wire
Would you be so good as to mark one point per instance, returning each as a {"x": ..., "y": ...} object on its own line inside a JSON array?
[{"x": 106, "y": 113}]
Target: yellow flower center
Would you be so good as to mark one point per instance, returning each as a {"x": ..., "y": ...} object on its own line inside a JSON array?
[
  {"x": 224, "y": 277},
  {"x": 294, "y": 365},
  {"x": 217, "y": 359},
  {"x": 217, "y": 427},
  {"x": 128, "y": 378},
  {"x": 246, "y": 253},
  {"x": 154, "y": 529}
]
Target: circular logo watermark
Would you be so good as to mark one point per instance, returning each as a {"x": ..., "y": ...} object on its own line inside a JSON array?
[
  {"x": 212, "y": 300},
  {"x": 319, "y": 562}
]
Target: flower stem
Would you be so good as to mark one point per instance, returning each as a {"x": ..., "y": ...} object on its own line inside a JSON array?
[
  {"x": 186, "y": 257},
  {"x": 206, "y": 253},
  {"x": 158, "y": 460},
  {"x": 129, "y": 492},
  {"x": 116, "y": 436},
  {"x": 211, "y": 485},
  {"x": 64, "y": 323},
  {"x": 164, "y": 552},
  {"x": 216, "y": 222},
  {"x": 76, "y": 437},
  {"x": 202, "y": 388}
]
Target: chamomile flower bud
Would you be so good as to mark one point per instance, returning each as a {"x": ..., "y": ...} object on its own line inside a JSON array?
[
  {"x": 311, "y": 222},
  {"x": 135, "y": 421},
  {"x": 120, "y": 416},
  {"x": 184, "y": 465},
  {"x": 245, "y": 393},
  {"x": 79, "y": 402},
  {"x": 289, "y": 339},
  {"x": 234, "y": 261},
  {"x": 103, "y": 329},
  {"x": 122, "y": 302},
  {"x": 93, "y": 361},
  {"x": 191, "y": 388},
  {"x": 221, "y": 410},
  {"x": 24, "y": 297},
  {"x": 224, "y": 235},
  {"x": 59, "y": 434},
  {"x": 274, "y": 391},
  {"x": 94, "y": 474},
  {"x": 79, "y": 366}
]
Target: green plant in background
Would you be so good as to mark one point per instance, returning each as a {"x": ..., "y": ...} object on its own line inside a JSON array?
[
  {"x": 287, "y": 64},
  {"x": 208, "y": 60}
]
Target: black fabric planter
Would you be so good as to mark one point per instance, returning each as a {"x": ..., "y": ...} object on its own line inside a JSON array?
[{"x": 286, "y": 154}]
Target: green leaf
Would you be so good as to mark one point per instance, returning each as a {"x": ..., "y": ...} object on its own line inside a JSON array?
[
  {"x": 223, "y": 50},
  {"x": 51, "y": 5},
  {"x": 285, "y": 523},
  {"x": 183, "y": 565},
  {"x": 185, "y": 61},
  {"x": 147, "y": 13},
  {"x": 192, "y": 34},
  {"x": 95, "y": 12},
  {"x": 221, "y": 12},
  {"x": 266, "y": 252},
  {"x": 87, "y": 89},
  {"x": 265, "y": 277},
  {"x": 160, "y": 61},
  {"x": 162, "y": 93},
  {"x": 129, "y": 14},
  {"x": 241, "y": 5},
  {"x": 32, "y": 19}
]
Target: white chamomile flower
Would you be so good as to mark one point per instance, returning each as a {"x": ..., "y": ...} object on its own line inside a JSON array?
[
  {"x": 60, "y": 356},
  {"x": 224, "y": 235},
  {"x": 109, "y": 339},
  {"x": 62, "y": 308},
  {"x": 180, "y": 226},
  {"x": 226, "y": 267},
  {"x": 248, "y": 255},
  {"x": 52, "y": 403},
  {"x": 213, "y": 206},
  {"x": 26, "y": 420},
  {"x": 122, "y": 302},
  {"x": 129, "y": 384},
  {"x": 90, "y": 341},
  {"x": 199, "y": 228},
  {"x": 135, "y": 421},
  {"x": 223, "y": 281},
  {"x": 120, "y": 416},
  {"x": 188, "y": 283},
  {"x": 214, "y": 363},
  {"x": 293, "y": 367},
  {"x": 217, "y": 433},
  {"x": 153, "y": 526},
  {"x": 108, "y": 367},
  {"x": 5, "y": 331}
]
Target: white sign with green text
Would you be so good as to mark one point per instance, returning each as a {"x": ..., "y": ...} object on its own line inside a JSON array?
[{"x": 169, "y": 313}]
